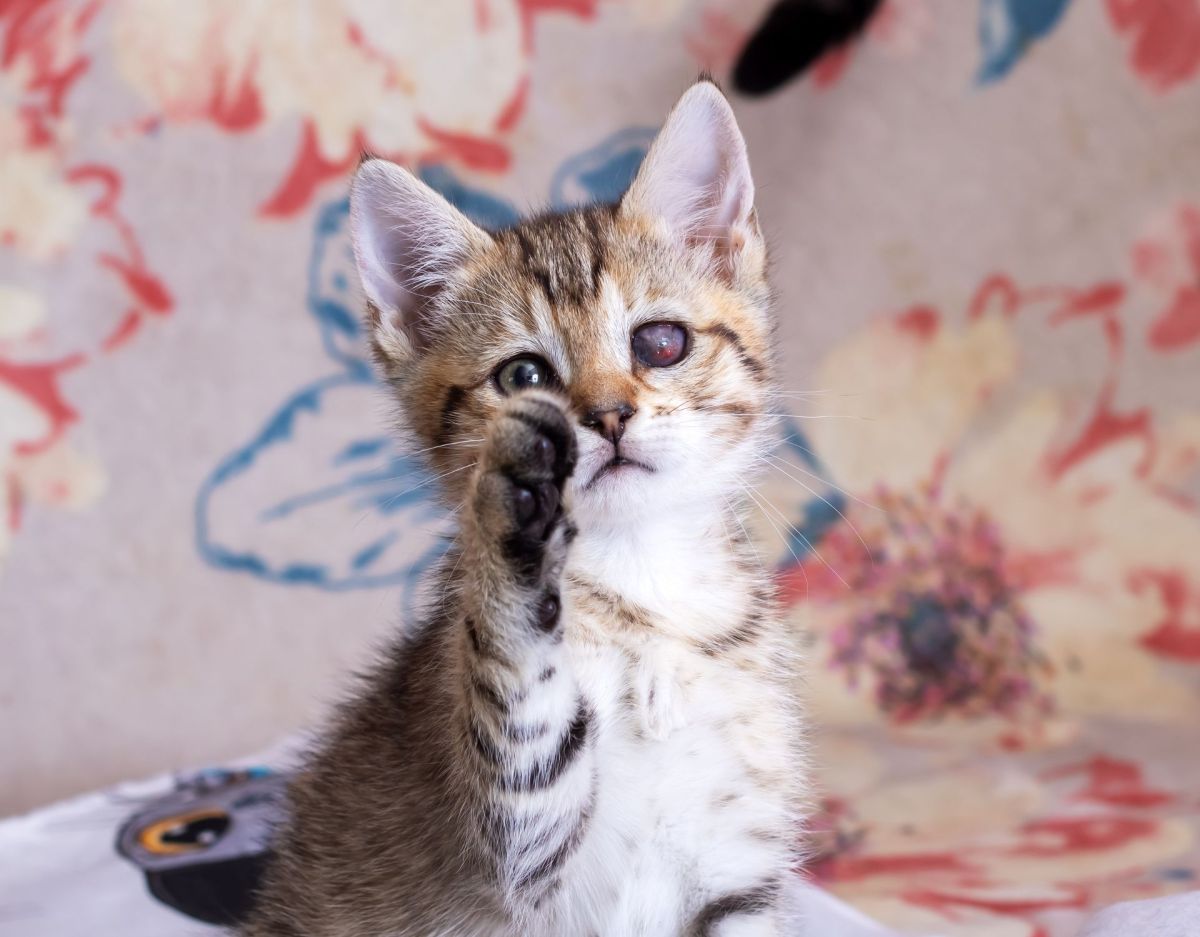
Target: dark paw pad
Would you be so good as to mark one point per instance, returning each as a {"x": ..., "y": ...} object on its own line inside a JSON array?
[
  {"x": 536, "y": 508},
  {"x": 533, "y": 449},
  {"x": 546, "y": 612}
]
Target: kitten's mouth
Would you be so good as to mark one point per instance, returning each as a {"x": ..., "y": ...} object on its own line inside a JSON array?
[{"x": 617, "y": 465}]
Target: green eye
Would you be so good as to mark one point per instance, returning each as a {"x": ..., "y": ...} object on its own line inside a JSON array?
[{"x": 523, "y": 373}]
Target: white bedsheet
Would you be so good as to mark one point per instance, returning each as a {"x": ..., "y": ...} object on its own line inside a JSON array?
[{"x": 61, "y": 876}]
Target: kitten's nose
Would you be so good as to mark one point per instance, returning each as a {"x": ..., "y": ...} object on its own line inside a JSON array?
[{"x": 609, "y": 422}]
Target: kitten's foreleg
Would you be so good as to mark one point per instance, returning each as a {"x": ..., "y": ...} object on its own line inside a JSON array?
[
  {"x": 524, "y": 724},
  {"x": 752, "y": 912}
]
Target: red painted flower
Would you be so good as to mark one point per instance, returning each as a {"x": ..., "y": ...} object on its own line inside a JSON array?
[
  {"x": 937, "y": 623},
  {"x": 358, "y": 75},
  {"x": 1164, "y": 37},
  {"x": 1167, "y": 259},
  {"x": 960, "y": 846},
  {"x": 977, "y": 541},
  {"x": 47, "y": 203}
]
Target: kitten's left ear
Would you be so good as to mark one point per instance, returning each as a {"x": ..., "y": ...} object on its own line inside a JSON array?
[
  {"x": 695, "y": 183},
  {"x": 409, "y": 244}
]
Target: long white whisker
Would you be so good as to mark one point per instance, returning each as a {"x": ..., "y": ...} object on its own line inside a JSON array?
[
  {"x": 783, "y": 464},
  {"x": 757, "y": 499},
  {"x": 786, "y": 542},
  {"x": 779, "y": 467},
  {"x": 457, "y": 442},
  {"x": 733, "y": 410},
  {"x": 802, "y": 394},
  {"x": 462, "y": 468},
  {"x": 745, "y": 533},
  {"x": 807, "y": 542}
]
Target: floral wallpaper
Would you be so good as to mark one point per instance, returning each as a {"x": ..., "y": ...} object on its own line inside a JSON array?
[
  {"x": 982, "y": 510},
  {"x": 994, "y": 617}
]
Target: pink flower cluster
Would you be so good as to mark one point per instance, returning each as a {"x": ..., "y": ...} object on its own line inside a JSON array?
[{"x": 936, "y": 620}]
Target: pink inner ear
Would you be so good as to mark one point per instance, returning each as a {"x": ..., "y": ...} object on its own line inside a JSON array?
[
  {"x": 408, "y": 241},
  {"x": 696, "y": 176}
]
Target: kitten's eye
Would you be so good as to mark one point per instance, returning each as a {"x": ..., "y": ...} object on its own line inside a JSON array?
[
  {"x": 660, "y": 344},
  {"x": 523, "y": 373}
]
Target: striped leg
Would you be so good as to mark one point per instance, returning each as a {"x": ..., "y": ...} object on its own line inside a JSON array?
[
  {"x": 525, "y": 726},
  {"x": 749, "y": 912}
]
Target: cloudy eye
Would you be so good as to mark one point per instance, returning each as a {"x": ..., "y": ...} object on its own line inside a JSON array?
[
  {"x": 523, "y": 373},
  {"x": 660, "y": 344}
]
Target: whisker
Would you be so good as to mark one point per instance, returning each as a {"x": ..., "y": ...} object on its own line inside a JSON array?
[
  {"x": 822, "y": 416},
  {"x": 457, "y": 563},
  {"x": 734, "y": 410},
  {"x": 757, "y": 499},
  {"x": 786, "y": 542},
  {"x": 462, "y": 468},
  {"x": 782, "y": 465},
  {"x": 457, "y": 442},
  {"x": 812, "y": 393},
  {"x": 778, "y": 466},
  {"x": 808, "y": 543},
  {"x": 724, "y": 526},
  {"x": 745, "y": 533}
]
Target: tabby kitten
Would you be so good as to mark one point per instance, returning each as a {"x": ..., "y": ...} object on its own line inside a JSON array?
[{"x": 595, "y": 730}]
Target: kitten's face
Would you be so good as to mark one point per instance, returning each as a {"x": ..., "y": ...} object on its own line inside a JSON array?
[
  {"x": 648, "y": 317},
  {"x": 666, "y": 369}
]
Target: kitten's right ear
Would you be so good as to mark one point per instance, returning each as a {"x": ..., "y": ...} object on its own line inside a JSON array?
[
  {"x": 695, "y": 186},
  {"x": 408, "y": 244}
]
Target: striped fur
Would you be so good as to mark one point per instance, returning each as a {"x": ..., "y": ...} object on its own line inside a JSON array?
[{"x": 595, "y": 731}]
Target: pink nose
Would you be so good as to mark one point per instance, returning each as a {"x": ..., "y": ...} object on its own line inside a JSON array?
[{"x": 609, "y": 422}]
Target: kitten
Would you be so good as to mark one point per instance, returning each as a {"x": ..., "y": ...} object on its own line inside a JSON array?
[{"x": 595, "y": 732}]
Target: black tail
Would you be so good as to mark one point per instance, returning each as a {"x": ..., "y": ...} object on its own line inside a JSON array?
[{"x": 793, "y": 36}]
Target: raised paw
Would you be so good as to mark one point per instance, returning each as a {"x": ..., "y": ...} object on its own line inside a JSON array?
[{"x": 526, "y": 461}]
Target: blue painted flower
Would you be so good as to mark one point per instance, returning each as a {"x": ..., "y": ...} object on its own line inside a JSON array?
[
  {"x": 357, "y": 513},
  {"x": 1008, "y": 27},
  {"x": 602, "y": 173}
]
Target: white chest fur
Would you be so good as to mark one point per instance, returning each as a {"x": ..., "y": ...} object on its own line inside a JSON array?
[
  {"x": 681, "y": 570},
  {"x": 696, "y": 751}
]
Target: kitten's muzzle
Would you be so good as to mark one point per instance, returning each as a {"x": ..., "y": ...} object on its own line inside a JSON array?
[
  {"x": 618, "y": 463},
  {"x": 609, "y": 421}
]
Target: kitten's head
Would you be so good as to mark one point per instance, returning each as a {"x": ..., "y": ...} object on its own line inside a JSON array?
[{"x": 649, "y": 316}]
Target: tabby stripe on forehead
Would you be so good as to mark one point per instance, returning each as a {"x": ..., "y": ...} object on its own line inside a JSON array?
[
  {"x": 749, "y": 362},
  {"x": 533, "y": 266},
  {"x": 596, "y": 237},
  {"x": 573, "y": 274}
]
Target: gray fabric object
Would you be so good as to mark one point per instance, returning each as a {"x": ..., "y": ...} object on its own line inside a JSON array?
[{"x": 1176, "y": 916}]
